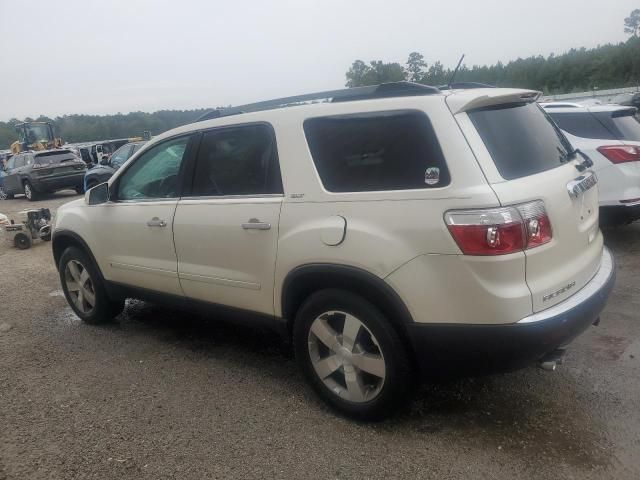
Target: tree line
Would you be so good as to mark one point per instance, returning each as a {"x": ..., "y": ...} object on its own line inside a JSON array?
[
  {"x": 607, "y": 66},
  {"x": 83, "y": 128}
]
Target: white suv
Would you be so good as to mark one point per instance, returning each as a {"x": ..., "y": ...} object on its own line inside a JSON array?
[
  {"x": 610, "y": 136},
  {"x": 395, "y": 229}
]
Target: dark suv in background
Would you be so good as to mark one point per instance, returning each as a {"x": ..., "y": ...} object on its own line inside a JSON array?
[
  {"x": 33, "y": 173},
  {"x": 103, "y": 171}
]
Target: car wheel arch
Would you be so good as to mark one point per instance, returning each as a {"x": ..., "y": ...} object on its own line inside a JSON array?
[
  {"x": 304, "y": 280},
  {"x": 64, "y": 239}
]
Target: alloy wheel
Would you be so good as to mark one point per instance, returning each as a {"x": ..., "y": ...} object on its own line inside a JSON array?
[
  {"x": 346, "y": 356},
  {"x": 3, "y": 194},
  {"x": 80, "y": 286},
  {"x": 27, "y": 191}
]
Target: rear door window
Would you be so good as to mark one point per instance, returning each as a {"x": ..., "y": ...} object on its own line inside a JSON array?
[
  {"x": 379, "y": 151},
  {"x": 582, "y": 124},
  {"x": 238, "y": 160},
  {"x": 521, "y": 138}
]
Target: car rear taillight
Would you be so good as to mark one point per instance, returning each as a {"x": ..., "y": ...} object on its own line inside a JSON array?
[
  {"x": 499, "y": 231},
  {"x": 620, "y": 153}
]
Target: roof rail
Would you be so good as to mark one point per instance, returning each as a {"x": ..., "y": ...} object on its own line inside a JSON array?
[{"x": 384, "y": 90}]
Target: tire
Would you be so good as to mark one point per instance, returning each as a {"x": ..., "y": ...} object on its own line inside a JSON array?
[
  {"x": 22, "y": 241},
  {"x": 84, "y": 289},
  {"x": 3, "y": 194},
  {"x": 29, "y": 192},
  {"x": 370, "y": 393}
]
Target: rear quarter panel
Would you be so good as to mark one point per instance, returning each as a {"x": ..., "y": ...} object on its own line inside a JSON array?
[{"x": 384, "y": 230}]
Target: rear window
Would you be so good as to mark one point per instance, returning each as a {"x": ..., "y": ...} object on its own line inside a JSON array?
[
  {"x": 376, "y": 151},
  {"x": 622, "y": 123},
  {"x": 48, "y": 158},
  {"x": 582, "y": 124},
  {"x": 521, "y": 138}
]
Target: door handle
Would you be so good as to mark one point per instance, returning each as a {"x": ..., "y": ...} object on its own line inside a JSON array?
[
  {"x": 156, "y": 222},
  {"x": 255, "y": 224}
]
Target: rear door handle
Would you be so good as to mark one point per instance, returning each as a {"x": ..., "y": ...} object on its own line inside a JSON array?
[
  {"x": 255, "y": 224},
  {"x": 156, "y": 222}
]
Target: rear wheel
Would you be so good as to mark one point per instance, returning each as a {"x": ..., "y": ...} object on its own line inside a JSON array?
[
  {"x": 29, "y": 192},
  {"x": 84, "y": 289},
  {"x": 351, "y": 355},
  {"x": 3, "y": 193}
]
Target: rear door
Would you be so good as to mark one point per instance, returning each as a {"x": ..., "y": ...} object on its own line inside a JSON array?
[
  {"x": 525, "y": 157},
  {"x": 226, "y": 229}
]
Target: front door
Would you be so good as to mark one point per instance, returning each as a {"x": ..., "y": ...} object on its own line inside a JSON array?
[
  {"x": 11, "y": 181},
  {"x": 133, "y": 231},
  {"x": 226, "y": 228}
]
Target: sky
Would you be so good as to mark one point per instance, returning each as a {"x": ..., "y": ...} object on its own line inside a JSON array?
[{"x": 102, "y": 57}]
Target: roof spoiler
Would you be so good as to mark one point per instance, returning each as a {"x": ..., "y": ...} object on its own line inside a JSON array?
[{"x": 465, "y": 101}]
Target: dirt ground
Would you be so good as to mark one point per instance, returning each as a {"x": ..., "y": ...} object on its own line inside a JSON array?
[{"x": 162, "y": 394}]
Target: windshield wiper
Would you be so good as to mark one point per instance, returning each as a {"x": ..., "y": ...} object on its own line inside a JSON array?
[{"x": 586, "y": 163}]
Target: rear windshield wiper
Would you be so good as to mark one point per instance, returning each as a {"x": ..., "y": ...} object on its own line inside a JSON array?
[{"x": 586, "y": 161}]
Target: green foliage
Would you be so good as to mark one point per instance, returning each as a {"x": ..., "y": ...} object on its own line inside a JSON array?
[
  {"x": 607, "y": 66},
  {"x": 376, "y": 72},
  {"x": 81, "y": 128},
  {"x": 415, "y": 67},
  {"x": 632, "y": 23}
]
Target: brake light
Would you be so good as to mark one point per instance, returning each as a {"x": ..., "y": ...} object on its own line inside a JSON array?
[
  {"x": 499, "y": 231},
  {"x": 620, "y": 153}
]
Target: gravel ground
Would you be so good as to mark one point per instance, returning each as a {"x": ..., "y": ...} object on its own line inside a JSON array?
[{"x": 162, "y": 394}]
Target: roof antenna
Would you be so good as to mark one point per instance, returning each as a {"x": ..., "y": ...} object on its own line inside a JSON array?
[{"x": 453, "y": 75}]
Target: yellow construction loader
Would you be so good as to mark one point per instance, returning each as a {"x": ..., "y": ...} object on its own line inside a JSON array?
[{"x": 35, "y": 136}]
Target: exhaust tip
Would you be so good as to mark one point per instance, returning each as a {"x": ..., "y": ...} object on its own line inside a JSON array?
[{"x": 549, "y": 366}]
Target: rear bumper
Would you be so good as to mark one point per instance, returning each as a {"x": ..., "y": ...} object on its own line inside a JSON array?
[
  {"x": 619, "y": 214},
  {"x": 59, "y": 182},
  {"x": 445, "y": 350}
]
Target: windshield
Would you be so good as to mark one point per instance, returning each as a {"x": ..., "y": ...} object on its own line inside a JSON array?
[
  {"x": 36, "y": 133},
  {"x": 521, "y": 138},
  {"x": 120, "y": 155}
]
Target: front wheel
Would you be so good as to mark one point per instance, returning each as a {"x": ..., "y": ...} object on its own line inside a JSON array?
[
  {"x": 84, "y": 289},
  {"x": 351, "y": 355},
  {"x": 29, "y": 192}
]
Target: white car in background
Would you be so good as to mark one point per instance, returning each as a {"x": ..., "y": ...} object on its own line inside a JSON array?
[{"x": 610, "y": 136}]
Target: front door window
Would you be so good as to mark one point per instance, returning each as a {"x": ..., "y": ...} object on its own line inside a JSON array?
[{"x": 155, "y": 174}]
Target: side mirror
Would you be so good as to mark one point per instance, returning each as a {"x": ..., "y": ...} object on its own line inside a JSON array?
[{"x": 97, "y": 195}]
